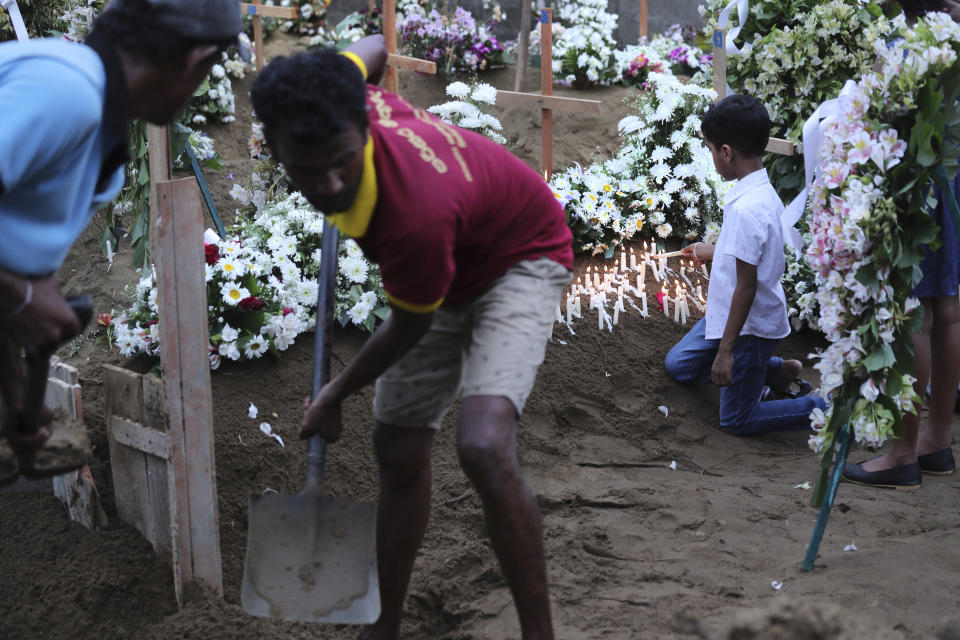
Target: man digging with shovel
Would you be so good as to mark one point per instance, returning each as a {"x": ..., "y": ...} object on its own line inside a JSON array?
[
  {"x": 64, "y": 110},
  {"x": 474, "y": 253}
]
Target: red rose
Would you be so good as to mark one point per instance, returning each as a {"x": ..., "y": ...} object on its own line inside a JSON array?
[
  {"x": 253, "y": 303},
  {"x": 287, "y": 311},
  {"x": 211, "y": 253}
]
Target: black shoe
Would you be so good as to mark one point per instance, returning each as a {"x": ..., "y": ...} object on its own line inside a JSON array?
[
  {"x": 937, "y": 463},
  {"x": 905, "y": 476}
]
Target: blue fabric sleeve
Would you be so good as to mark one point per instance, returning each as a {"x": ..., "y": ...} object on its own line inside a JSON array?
[{"x": 48, "y": 111}]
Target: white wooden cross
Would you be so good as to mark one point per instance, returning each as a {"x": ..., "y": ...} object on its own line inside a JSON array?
[{"x": 547, "y": 102}]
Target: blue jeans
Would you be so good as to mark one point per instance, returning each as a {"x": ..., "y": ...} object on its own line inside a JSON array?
[{"x": 754, "y": 366}]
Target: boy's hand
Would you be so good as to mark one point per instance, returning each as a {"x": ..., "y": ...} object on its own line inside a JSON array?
[
  {"x": 698, "y": 252},
  {"x": 722, "y": 372}
]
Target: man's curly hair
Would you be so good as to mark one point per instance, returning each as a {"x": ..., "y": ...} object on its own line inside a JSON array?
[{"x": 312, "y": 96}]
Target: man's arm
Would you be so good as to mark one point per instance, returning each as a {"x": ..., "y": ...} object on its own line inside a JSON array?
[
  {"x": 743, "y": 295},
  {"x": 397, "y": 335},
  {"x": 46, "y": 318},
  {"x": 373, "y": 51}
]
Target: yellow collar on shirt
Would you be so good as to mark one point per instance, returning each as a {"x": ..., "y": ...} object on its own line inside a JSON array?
[{"x": 355, "y": 220}]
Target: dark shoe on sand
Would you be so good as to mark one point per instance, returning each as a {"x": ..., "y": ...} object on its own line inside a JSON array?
[
  {"x": 905, "y": 476},
  {"x": 938, "y": 463}
]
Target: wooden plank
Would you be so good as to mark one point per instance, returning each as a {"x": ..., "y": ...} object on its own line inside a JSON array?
[
  {"x": 390, "y": 79},
  {"x": 556, "y": 103},
  {"x": 268, "y": 11},
  {"x": 546, "y": 89},
  {"x": 781, "y": 146},
  {"x": 642, "y": 18},
  {"x": 186, "y": 368},
  {"x": 258, "y": 41},
  {"x": 124, "y": 393},
  {"x": 720, "y": 62},
  {"x": 412, "y": 64},
  {"x": 136, "y": 436}
]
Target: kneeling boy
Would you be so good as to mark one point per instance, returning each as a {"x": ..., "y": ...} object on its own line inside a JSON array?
[{"x": 733, "y": 345}]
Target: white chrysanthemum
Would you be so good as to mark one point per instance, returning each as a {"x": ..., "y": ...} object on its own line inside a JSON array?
[
  {"x": 233, "y": 293},
  {"x": 230, "y": 268},
  {"x": 256, "y": 347},
  {"x": 458, "y": 90},
  {"x": 354, "y": 269},
  {"x": 664, "y": 230},
  {"x": 483, "y": 92}
]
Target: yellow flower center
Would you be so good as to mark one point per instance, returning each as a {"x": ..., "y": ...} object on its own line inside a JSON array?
[
  {"x": 234, "y": 294},
  {"x": 607, "y": 188},
  {"x": 228, "y": 267},
  {"x": 639, "y": 223}
]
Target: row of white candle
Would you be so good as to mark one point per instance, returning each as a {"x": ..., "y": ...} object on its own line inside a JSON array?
[{"x": 614, "y": 279}]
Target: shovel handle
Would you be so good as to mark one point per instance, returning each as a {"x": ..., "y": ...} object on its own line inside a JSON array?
[{"x": 326, "y": 297}]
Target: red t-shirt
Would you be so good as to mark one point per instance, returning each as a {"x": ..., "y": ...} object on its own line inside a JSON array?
[{"x": 454, "y": 210}]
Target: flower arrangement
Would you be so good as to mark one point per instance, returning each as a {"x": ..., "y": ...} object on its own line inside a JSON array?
[
  {"x": 203, "y": 150},
  {"x": 79, "y": 16},
  {"x": 467, "y": 109},
  {"x": 764, "y": 16},
  {"x": 262, "y": 287},
  {"x": 357, "y": 25},
  {"x": 661, "y": 182},
  {"x": 869, "y": 222},
  {"x": 637, "y": 63},
  {"x": 798, "y": 284},
  {"x": 310, "y": 17},
  {"x": 583, "y": 54},
  {"x": 214, "y": 101},
  {"x": 455, "y": 42},
  {"x": 678, "y": 46}
]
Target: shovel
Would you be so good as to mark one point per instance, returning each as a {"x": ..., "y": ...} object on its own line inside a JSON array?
[{"x": 311, "y": 558}]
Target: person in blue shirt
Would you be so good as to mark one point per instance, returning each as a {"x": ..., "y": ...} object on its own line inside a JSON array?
[{"x": 64, "y": 111}]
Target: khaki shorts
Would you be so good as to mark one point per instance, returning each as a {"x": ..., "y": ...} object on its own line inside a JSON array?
[{"x": 490, "y": 346}]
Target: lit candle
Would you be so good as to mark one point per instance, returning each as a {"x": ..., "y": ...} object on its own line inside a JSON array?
[
  {"x": 600, "y": 316},
  {"x": 623, "y": 260},
  {"x": 663, "y": 265},
  {"x": 576, "y": 307},
  {"x": 700, "y": 292},
  {"x": 643, "y": 273},
  {"x": 677, "y": 303},
  {"x": 596, "y": 279},
  {"x": 656, "y": 272},
  {"x": 643, "y": 301},
  {"x": 666, "y": 300},
  {"x": 633, "y": 260},
  {"x": 616, "y": 315},
  {"x": 703, "y": 265}
]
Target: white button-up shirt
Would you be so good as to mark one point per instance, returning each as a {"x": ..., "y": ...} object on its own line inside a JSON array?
[{"x": 750, "y": 232}]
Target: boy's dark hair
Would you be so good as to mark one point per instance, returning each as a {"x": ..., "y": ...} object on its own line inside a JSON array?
[
  {"x": 916, "y": 8},
  {"x": 739, "y": 121},
  {"x": 313, "y": 96},
  {"x": 135, "y": 30}
]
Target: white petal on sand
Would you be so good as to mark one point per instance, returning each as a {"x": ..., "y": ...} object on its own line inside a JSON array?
[
  {"x": 252, "y": 412},
  {"x": 802, "y": 485},
  {"x": 777, "y": 585},
  {"x": 851, "y": 547},
  {"x": 664, "y": 410},
  {"x": 673, "y": 465}
]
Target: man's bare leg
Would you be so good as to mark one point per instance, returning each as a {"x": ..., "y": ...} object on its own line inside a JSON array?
[
  {"x": 944, "y": 374},
  {"x": 486, "y": 444},
  {"x": 403, "y": 509}
]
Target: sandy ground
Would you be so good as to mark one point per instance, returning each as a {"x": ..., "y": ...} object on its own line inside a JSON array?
[{"x": 635, "y": 549}]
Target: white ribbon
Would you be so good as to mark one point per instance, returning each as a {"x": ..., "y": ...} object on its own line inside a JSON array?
[
  {"x": 18, "y": 25},
  {"x": 813, "y": 132},
  {"x": 743, "y": 11}
]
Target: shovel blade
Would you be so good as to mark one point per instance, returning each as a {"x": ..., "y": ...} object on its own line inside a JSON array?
[{"x": 311, "y": 558}]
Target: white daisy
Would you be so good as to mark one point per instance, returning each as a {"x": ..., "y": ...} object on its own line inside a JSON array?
[
  {"x": 233, "y": 293},
  {"x": 256, "y": 347}
]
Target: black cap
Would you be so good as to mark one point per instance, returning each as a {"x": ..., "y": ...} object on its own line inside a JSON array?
[{"x": 202, "y": 20}]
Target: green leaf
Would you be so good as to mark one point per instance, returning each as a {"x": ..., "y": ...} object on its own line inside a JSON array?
[{"x": 880, "y": 358}]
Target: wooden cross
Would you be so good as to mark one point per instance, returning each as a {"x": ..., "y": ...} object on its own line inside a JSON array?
[
  {"x": 260, "y": 11},
  {"x": 642, "y": 18},
  {"x": 390, "y": 80},
  {"x": 775, "y": 145},
  {"x": 547, "y": 102}
]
